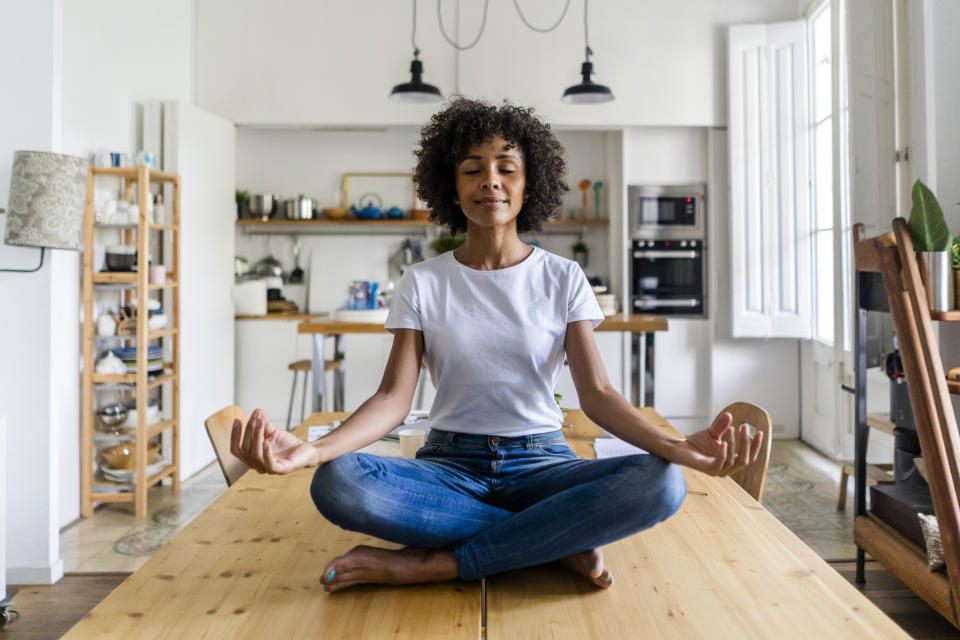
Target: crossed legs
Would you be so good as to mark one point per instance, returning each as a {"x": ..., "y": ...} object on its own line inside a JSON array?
[{"x": 456, "y": 525}]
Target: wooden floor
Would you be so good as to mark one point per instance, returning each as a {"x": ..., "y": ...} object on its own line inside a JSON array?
[{"x": 48, "y": 612}]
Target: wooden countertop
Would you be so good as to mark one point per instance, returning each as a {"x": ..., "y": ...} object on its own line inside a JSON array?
[
  {"x": 722, "y": 567},
  {"x": 636, "y": 322},
  {"x": 299, "y": 317}
]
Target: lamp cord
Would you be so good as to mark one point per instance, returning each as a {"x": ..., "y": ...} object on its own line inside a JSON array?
[
  {"x": 39, "y": 266},
  {"x": 586, "y": 37},
  {"x": 516, "y": 4},
  {"x": 483, "y": 25},
  {"x": 413, "y": 32}
]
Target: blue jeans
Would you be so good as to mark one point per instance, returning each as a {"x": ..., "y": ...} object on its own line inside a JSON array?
[{"x": 499, "y": 503}]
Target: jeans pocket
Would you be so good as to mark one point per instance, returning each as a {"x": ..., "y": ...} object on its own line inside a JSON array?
[
  {"x": 429, "y": 450},
  {"x": 557, "y": 450}
]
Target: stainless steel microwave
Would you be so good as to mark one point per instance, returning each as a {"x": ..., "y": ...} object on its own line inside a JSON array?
[{"x": 667, "y": 211}]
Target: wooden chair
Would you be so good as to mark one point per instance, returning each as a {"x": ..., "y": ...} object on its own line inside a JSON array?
[
  {"x": 219, "y": 426},
  {"x": 893, "y": 255},
  {"x": 753, "y": 476}
]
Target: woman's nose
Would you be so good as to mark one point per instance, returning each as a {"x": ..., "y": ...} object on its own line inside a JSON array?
[{"x": 490, "y": 180}]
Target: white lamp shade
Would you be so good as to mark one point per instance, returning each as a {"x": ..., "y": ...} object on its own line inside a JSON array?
[{"x": 47, "y": 192}]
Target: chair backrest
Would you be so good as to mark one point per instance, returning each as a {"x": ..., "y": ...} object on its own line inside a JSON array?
[
  {"x": 752, "y": 477},
  {"x": 219, "y": 426}
]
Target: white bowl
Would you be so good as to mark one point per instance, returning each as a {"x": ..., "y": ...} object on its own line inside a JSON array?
[{"x": 374, "y": 316}]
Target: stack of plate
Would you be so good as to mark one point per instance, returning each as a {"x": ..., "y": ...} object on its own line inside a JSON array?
[
  {"x": 129, "y": 357},
  {"x": 128, "y": 475}
]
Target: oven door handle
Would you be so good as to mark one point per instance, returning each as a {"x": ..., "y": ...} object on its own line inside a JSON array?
[
  {"x": 675, "y": 302},
  {"x": 656, "y": 253}
]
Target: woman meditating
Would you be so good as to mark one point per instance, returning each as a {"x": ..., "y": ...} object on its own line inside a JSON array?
[{"x": 495, "y": 487}]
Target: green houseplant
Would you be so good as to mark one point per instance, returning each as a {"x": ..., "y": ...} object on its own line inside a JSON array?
[
  {"x": 955, "y": 259},
  {"x": 446, "y": 242},
  {"x": 931, "y": 239}
]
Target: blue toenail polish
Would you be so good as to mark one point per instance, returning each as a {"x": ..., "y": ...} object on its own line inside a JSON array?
[{"x": 330, "y": 575}]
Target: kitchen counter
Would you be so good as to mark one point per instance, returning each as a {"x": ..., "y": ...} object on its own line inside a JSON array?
[{"x": 302, "y": 317}]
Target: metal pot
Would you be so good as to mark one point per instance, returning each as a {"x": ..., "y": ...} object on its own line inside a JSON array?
[
  {"x": 299, "y": 208},
  {"x": 268, "y": 267},
  {"x": 262, "y": 205}
]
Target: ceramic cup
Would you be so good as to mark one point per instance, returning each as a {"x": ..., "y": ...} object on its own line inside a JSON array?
[
  {"x": 158, "y": 274},
  {"x": 411, "y": 440}
]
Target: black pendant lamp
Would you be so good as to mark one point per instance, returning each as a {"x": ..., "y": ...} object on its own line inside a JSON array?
[
  {"x": 588, "y": 91},
  {"x": 416, "y": 90}
]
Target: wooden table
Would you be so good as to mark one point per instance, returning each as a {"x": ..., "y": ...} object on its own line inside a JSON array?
[
  {"x": 722, "y": 567},
  {"x": 638, "y": 325}
]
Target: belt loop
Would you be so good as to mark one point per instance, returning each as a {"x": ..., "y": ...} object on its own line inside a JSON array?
[
  {"x": 449, "y": 438},
  {"x": 529, "y": 443}
]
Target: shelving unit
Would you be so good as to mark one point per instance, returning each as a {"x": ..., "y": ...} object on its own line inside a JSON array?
[
  {"x": 888, "y": 280},
  {"x": 95, "y": 488}
]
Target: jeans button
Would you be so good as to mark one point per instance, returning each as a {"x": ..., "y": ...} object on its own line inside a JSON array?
[{"x": 494, "y": 441}]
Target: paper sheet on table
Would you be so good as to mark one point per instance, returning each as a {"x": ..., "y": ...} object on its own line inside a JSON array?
[{"x": 614, "y": 447}]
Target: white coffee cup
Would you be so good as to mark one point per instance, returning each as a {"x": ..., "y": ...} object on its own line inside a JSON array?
[{"x": 410, "y": 442}]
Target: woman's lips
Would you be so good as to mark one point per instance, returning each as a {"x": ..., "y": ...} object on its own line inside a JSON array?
[{"x": 490, "y": 202}]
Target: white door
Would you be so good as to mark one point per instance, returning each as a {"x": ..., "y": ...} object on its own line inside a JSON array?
[
  {"x": 852, "y": 179},
  {"x": 201, "y": 148}
]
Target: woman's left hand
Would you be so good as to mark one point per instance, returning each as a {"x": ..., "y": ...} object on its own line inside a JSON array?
[{"x": 720, "y": 449}]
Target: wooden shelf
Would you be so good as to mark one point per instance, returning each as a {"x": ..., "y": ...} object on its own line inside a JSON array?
[
  {"x": 103, "y": 496},
  {"x": 130, "y": 434},
  {"x": 115, "y": 277},
  {"x": 880, "y": 422},
  {"x": 133, "y": 173},
  {"x": 946, "y": 316},
  {"x": 93, "y": 487}
]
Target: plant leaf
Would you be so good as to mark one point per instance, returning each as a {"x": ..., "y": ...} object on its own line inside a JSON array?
[{"x": 928, "y": 229}]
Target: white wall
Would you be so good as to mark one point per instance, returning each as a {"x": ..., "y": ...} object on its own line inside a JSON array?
[
  {"x": 764, "y": 372},
  {"x": 334, "y": 63},
  {"x": 30, "y": 66},
  {"x": 200, "y": 147},
  {"x": 935, "y": 94},
  {"x": 72, "y": 69},
  {"x": 3, "y": 507},
  {"x": 100, "y": 89}
]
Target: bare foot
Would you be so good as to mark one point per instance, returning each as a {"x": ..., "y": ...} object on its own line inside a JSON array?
[
  {"x": 589, "y": 564},
  {"x": 371, "y": 565}
]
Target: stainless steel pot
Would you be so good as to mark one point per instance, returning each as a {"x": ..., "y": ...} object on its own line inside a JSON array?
[
  {"x": 268, "y": 267},
  {"x": 299, "y": 208},
  {"x": 262, "y": 205}
]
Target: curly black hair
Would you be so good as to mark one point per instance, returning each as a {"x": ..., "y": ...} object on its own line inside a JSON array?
[{"x": 466, "y": 122}]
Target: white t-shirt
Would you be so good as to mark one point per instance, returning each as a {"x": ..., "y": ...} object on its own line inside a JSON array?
[{"x": 494, "y": 339}]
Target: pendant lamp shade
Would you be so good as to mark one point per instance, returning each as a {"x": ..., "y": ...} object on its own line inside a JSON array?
[
  {"x": 47, "y": 192},
  {"x": 416, "y": 90},
  {"x": 587, "y": 92}
]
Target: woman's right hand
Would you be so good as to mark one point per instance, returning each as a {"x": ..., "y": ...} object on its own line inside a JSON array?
[{"x": 267, "y": 449}]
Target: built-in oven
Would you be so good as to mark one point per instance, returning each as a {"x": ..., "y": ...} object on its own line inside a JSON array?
[
  {"x": 668, "y": 277},
  {"x": 666, "y": 211}
]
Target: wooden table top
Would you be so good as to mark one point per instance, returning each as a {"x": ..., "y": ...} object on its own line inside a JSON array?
[
  {"x": 249, "y": 567},
  {"x": 618, "y": 322},
  {"x": 722, "y": 567}
]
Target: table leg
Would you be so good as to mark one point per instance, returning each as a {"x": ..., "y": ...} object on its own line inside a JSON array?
[
  {"x": 316, "y": 368},
  {"x": 338, "y": 374},
  {"x": 640, "y": 381}
]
